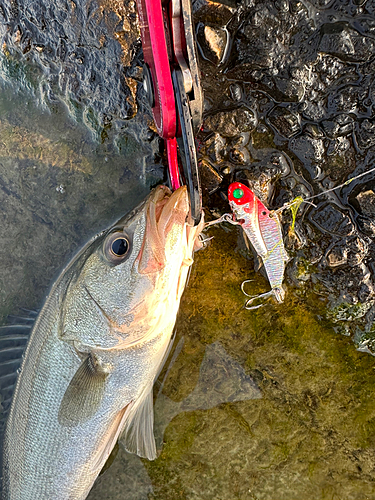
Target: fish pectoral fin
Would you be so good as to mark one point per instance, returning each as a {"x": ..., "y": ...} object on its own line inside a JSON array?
[
  {"x": 138, "y": 433},
  {"x": 84, "y": 394}
]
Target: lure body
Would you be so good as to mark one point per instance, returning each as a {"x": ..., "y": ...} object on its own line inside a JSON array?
[{"x": 263, "y": 230}]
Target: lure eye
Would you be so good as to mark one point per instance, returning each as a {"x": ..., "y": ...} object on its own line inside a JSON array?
[
  {"x": 116, "y": 247},
  {"x": 238, "y": 193}
]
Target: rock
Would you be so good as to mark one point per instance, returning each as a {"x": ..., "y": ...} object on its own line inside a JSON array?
[
  {"x": 210, "y": 178},
  {"x": 330, "y": 219},
  {"x": 366, "y": 225},
  {"x": 215, "y": 147},
  {"x": 262, "y": 176},
  {"x": 329, "y": 69},
  {"x": 350, "y": 251},
  {"x": 347, "y": 100},
  {"x": 340, "y": 40},
  {"x": 285, "y": 122},
  {"x": 339, "y": 125},
  {"x": 212, "y": 42},
  {"x": 310, "y": 151},
  {"x": 365, "y": 133},
  {"x": 366, "y": 200},
  {"x": 293, "y": 90},
  {"x": 313, "y": 110},
  {"x": 231, "y": 123},
  {"x": 337, "y": 256},
  {"x": 215, "y": 13},
  {"x": 259, "y": 182},
  {"x": 236, "y": 92}
]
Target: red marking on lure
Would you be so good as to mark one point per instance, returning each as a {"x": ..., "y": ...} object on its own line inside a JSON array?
[{"x": 263, "y": 230}]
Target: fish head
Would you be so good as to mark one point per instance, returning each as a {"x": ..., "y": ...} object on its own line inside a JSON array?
[{"x": 126, "y": 286}]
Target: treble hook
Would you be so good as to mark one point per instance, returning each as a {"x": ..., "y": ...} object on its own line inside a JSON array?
[{"x": 252, "y": 298}]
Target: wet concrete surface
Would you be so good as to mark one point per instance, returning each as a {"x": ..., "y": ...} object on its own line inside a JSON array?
[{"x": 288, "y": 108}]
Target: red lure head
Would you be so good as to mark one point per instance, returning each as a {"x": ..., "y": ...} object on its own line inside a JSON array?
[{"x": 240, "y": 194}]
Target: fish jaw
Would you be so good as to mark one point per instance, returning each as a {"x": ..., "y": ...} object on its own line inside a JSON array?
[
  {"x": 164, "y": 260},
  {"x": 166, "y": 257},
  {"x": 166, "y": 215}
]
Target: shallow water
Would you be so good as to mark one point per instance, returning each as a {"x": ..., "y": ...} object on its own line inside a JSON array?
[
  {"x": 251, "y": 405},
  {"x": 58, "y": 187}
]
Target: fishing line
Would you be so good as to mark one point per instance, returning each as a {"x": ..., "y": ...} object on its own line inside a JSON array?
[
  {"x": 296, "y": 203},
  {"x": 341, "y": 185}
]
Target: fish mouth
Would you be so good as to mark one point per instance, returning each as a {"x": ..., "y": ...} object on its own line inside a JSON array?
[{"x": 166, "y": 213}]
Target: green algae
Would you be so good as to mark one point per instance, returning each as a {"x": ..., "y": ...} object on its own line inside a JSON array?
[{"x": 349, "y": 312}]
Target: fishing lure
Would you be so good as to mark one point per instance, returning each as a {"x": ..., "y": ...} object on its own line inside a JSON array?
[{"x": 263, "y": 230}]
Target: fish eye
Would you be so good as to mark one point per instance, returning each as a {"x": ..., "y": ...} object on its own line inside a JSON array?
[
  {"x": 116, "y": 247},
  {"x": 119, "y": 247}
]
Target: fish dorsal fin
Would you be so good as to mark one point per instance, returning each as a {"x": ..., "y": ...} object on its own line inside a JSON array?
[
  {"x": 84, "y": 394},
  {"x": 138, "y": 433},
  {"x": 13, "y": 340}
]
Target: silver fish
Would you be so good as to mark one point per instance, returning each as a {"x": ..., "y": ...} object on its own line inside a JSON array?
[{"x": 95, "y": 350}]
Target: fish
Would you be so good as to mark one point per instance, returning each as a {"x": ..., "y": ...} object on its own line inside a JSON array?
[
  {"x": 95, "y": 350},
  {"x": 263, "y": 230}
]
